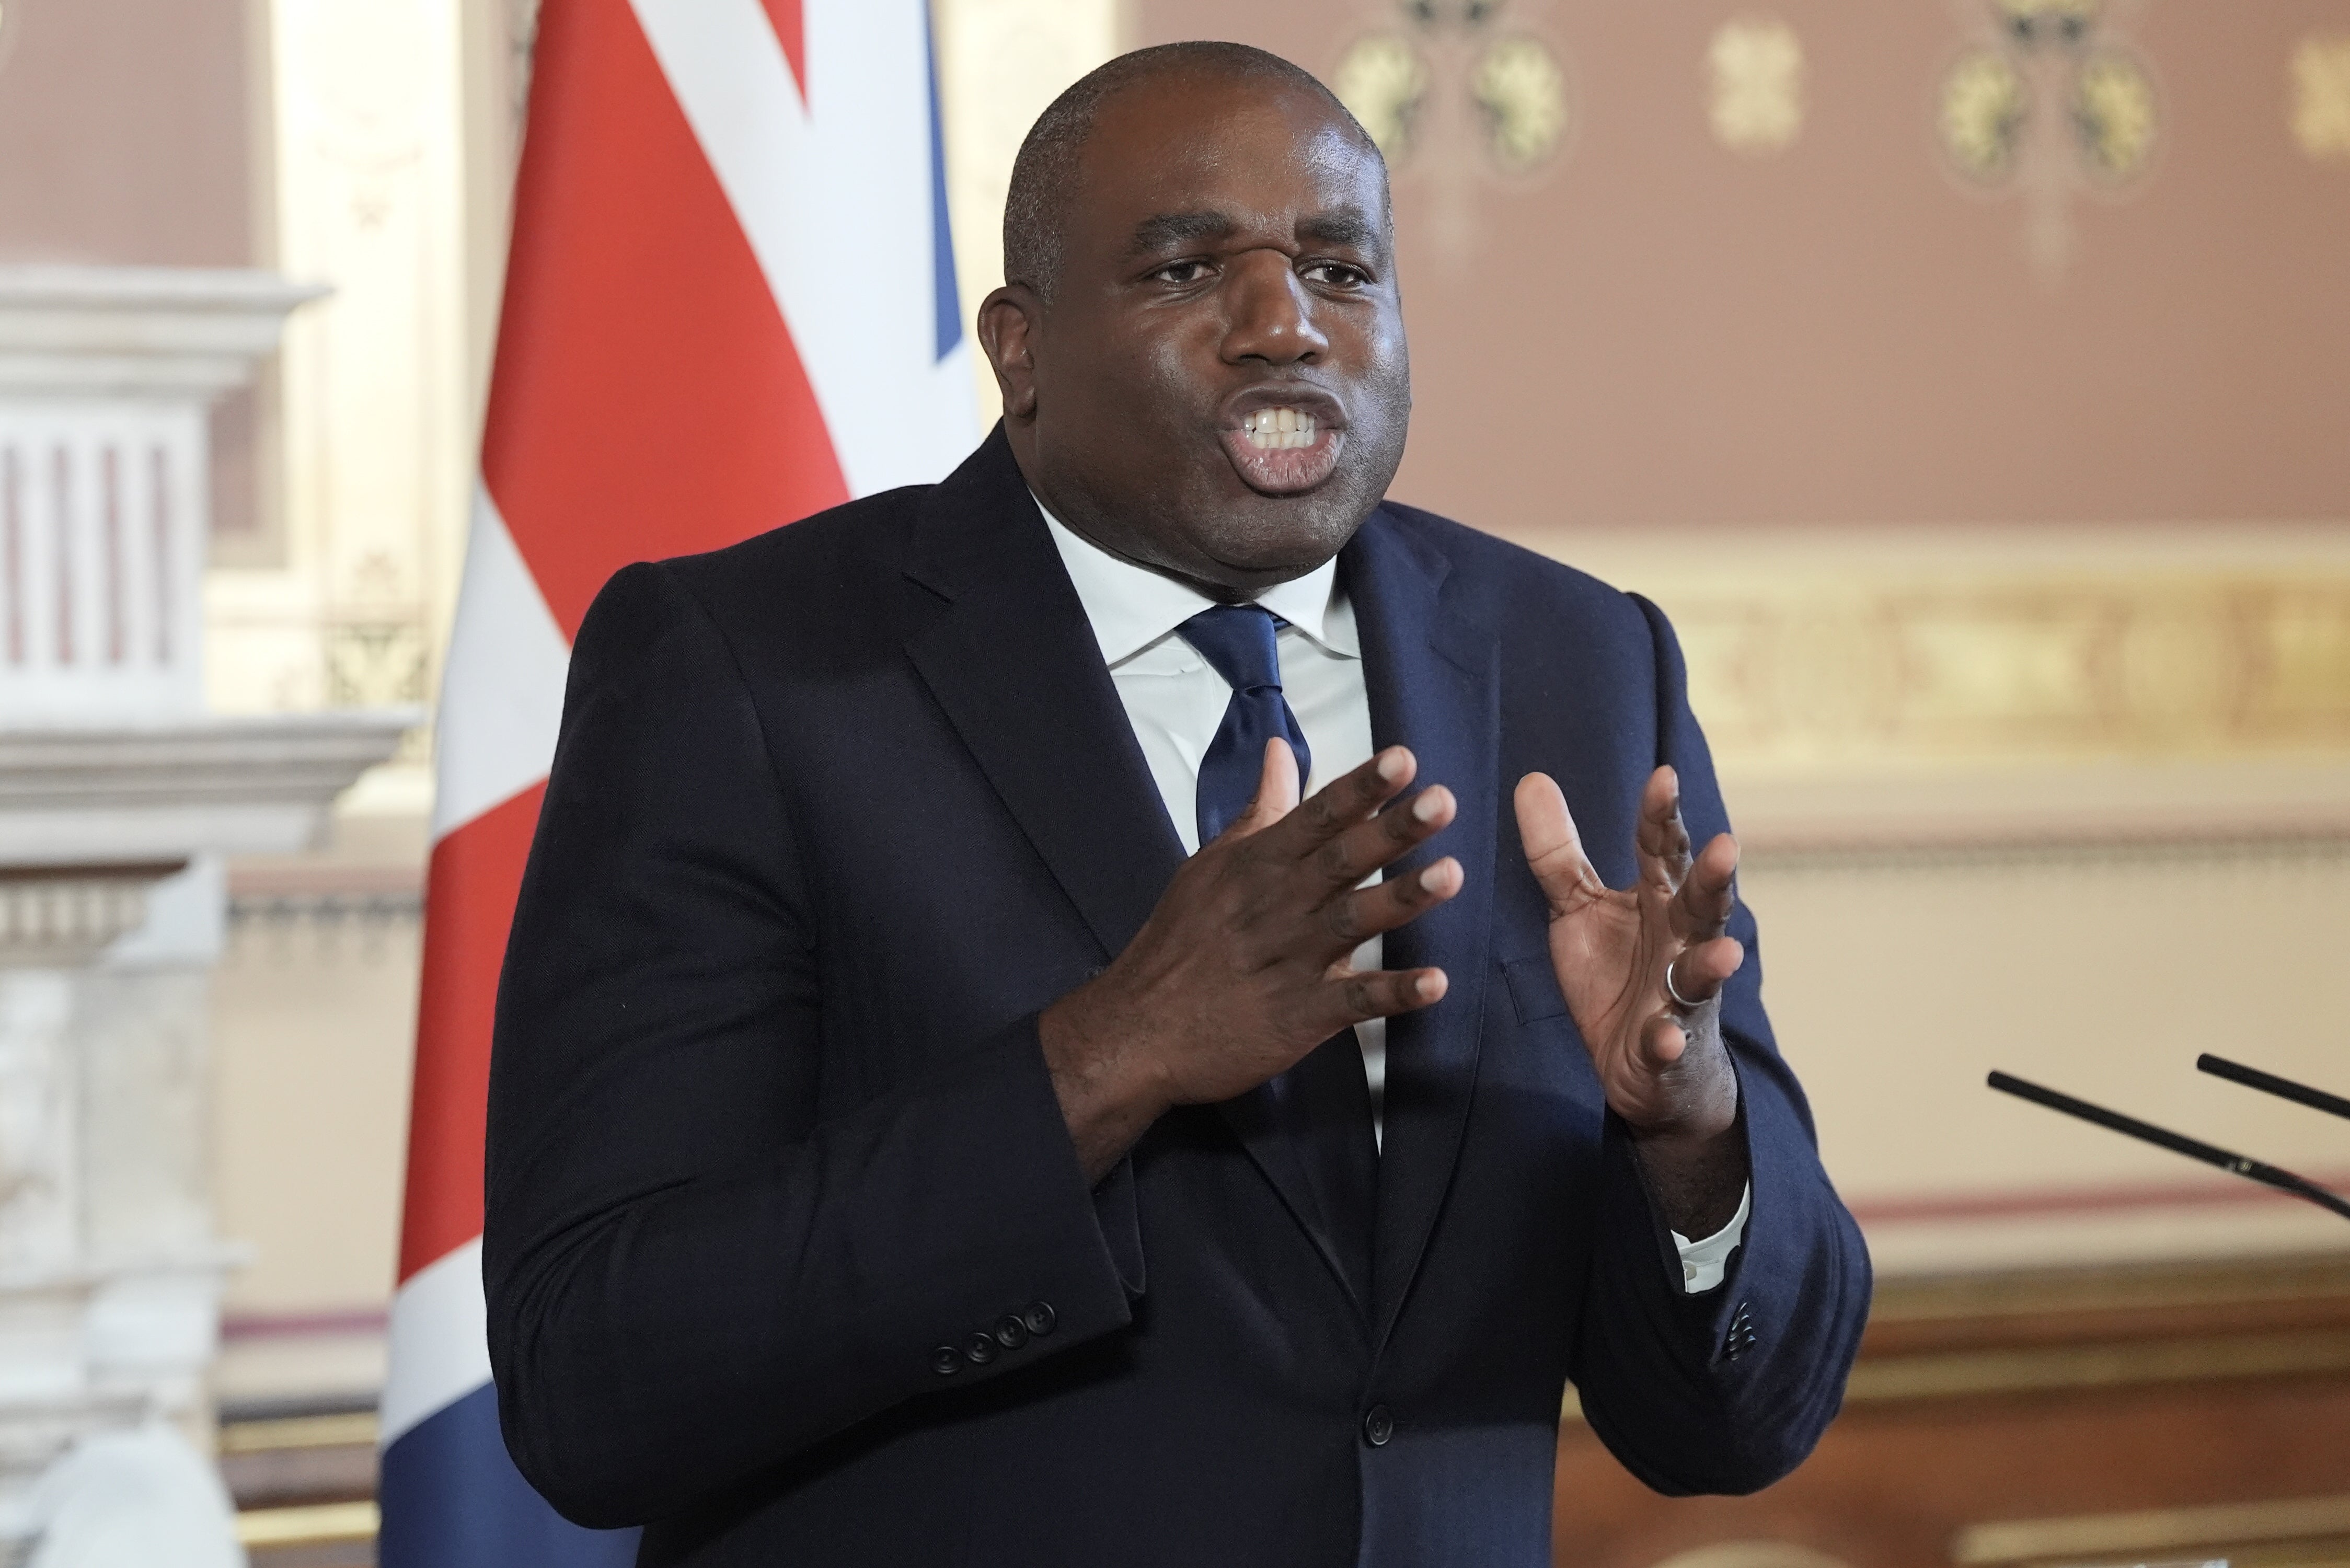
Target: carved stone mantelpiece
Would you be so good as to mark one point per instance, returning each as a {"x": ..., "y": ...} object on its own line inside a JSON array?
[
  {"x": 244, "y": 786},
  {"x": 144, "y": 332},
  {"x": 119, "y": 795}
]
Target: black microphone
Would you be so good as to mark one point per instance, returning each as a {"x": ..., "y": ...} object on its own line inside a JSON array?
[
  {"x": 2269, "y": 1082},
  {"x": 2210, "y": 1154}
]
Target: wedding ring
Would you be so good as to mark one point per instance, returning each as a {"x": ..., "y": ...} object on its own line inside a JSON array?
[{"x": 1683, "y": 1002}]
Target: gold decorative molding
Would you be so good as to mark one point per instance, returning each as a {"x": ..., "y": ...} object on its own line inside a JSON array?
[
  {"x": 2207, "y": 1533},
  {"x": 2050, "y": 1369},
  {"x": 1819, "y": 655},
  {"x": 1752, "y": 1554},
  {"x": 282, "y": 1434},
  {"x": 2041, "y": 1369},
  {"x": 1989, "y": 1298},
  {"x": 1829, "y": 672},
  {"x": 308, "y": 1524}
]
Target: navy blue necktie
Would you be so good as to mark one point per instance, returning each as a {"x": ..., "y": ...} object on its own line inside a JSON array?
[
  {"x": 1322, "y": 1105},
  {"x": 1238, "y": 642}
]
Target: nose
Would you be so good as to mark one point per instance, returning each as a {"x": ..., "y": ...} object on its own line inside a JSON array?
[{"x": 1269, "y": 314}]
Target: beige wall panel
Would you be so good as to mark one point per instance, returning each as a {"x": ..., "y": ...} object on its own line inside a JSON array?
[
  {"x": 378, "y": 435},
  {"x": 315, "y": 1028},
  {"x": 1000, "y": 63},
  {"x": 1897, "y": 981}
]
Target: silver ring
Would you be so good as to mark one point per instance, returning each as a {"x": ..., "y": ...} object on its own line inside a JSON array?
[{"x": 1683, "y": 1002}]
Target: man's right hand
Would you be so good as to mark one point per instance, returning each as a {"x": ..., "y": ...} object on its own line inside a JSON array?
[{"x": 1243, "y": 967}]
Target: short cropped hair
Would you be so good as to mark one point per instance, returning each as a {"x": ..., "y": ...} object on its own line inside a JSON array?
[{"x": 1043, "y": 176}]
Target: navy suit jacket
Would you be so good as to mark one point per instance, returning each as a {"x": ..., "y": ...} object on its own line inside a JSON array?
[{"x": 834, "y": 813}]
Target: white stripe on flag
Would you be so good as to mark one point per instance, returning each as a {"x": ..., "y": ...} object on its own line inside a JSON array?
[
  {"x": 440, "y": 1341},
  {"x": 836, "y": 200},
  {"x": 502, "y": 697}
]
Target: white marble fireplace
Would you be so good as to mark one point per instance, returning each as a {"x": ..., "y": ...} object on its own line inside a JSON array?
[{"x": 119, "y": 796}]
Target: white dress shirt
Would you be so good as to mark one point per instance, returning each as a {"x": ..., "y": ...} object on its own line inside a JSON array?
[{"x": 1176, "y": 702}]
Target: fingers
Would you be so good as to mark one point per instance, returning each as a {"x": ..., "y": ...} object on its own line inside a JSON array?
[
  {"x": 1663, "y": 1041},
  {"x": 1701, "y": 910},
  {"x": 1553, "y": 848},
  {"x": 1367, "y": 847},
  {"x": 1352, "y": 996},
  {"x": 1352, "y": 797},
  {"x": 1661, "y": 840},
  {"x": 1369, "y": 911},
  {"x": 1697, "y": 974},
  {"x": 1276, "y": 793}
]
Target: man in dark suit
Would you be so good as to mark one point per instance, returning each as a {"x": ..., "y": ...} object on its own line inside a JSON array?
[{"x": 903, "y": 1151}]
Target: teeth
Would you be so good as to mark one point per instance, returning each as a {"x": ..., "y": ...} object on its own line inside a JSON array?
[{"x": 1279, "y": 430}]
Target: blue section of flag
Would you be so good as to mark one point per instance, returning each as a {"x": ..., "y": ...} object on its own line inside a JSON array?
[
  {"x": 452, "y": 1499},
  {"x": 950, "y": 306}
]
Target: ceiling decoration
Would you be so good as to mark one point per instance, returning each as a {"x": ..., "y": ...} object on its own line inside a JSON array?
[
  {"x": 2049, "y": 99},
  {"x": 1461, "y": 85},
  {"x": 1523, "y": 94},
  {"x": 2321, "y": 96},
  {"x": 1754, "y": 72}
]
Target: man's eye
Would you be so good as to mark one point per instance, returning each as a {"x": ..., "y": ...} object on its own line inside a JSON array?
[
  {"x": 1338, "y": 274},
  {"x": 1181, "y": 272}
]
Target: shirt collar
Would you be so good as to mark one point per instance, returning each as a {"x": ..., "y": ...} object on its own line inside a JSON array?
[{"x": 1132, "y": 606}]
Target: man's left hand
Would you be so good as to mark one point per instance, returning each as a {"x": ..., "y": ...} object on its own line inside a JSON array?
[{"x": 1628, "y": 962}]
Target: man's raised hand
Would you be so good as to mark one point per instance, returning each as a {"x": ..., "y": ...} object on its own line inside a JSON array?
[
  {"x": 1663, "y": 1065},
  {"x": 1243, "y": 967}
]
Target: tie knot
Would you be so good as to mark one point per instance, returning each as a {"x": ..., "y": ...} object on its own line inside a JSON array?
[{"x": 1238, "y": 642}]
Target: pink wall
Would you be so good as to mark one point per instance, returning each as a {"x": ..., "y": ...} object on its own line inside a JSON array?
[
  {"x": 123, "y": 132},
  {"x": 126, "y": 137},
  {"x": 1658, "y": 330}
]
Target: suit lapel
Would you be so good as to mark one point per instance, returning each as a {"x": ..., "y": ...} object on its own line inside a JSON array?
[
  {"x": 1434, "y": 686},
  {"x": 1013, "y": 664}
]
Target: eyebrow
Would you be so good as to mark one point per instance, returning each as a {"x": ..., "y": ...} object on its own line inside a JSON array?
[
  {"x": 1346, "y": 226},
  {"x": 1171, "y": 231},
  {"x": 1164, "y": 231}
]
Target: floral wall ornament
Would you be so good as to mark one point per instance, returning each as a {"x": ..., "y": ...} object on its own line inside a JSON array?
[
  {"x": 1754, "y": 69},
  {"x": 1455, "y": 83},
  {"x": 1383, "y": 81},
  {"x": 1523, "y": 94},
  {"x": 2321, "y": 96},
  {"x": 2049, "y": 101}
]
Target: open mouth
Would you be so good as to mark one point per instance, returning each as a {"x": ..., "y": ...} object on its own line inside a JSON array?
[{"x": 1281, "y": 449}]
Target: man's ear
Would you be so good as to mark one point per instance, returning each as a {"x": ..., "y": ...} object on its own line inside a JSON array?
[{"x": 1009, "y": 320}]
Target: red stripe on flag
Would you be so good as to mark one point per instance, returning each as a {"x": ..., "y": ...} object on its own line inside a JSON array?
[
  {"x": 647, "y": 400},
  {"x": 791, "y": 31},
  {"x": 469, "y": 906}
]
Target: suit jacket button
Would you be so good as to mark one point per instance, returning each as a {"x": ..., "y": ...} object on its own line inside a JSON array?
[
  {"x": 1378, "y": 1426},
  {"x": 1039, "y": 1317},
  {"x": 1010, "y": 1332},
  {"x": 946, "y": 1361},
  {"x": 978, "y": 1349}
]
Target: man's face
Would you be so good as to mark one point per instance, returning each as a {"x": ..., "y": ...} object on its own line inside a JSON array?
[{"x": 1220, "y": 388}]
